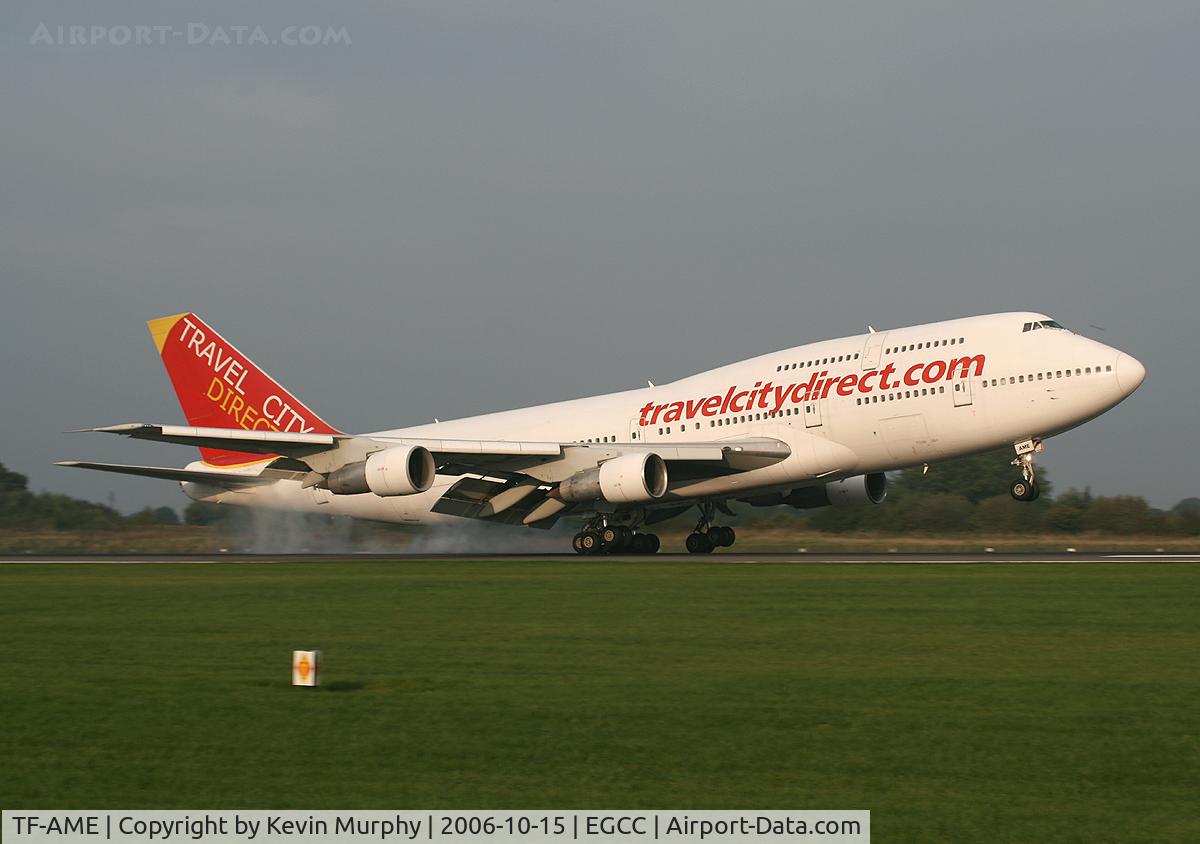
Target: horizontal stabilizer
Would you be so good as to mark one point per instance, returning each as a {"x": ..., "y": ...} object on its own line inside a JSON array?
[
  {"x": 225, "y": 479},
  {"x": 251, "y": 442}
]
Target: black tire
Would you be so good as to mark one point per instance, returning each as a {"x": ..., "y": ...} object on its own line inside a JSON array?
[
  {"x": 610, "y": 535},
  {"x": 640, "y": 544},
  {"x": 1021, "y": 490},
  {"x": 1034, "y": 491},
  {"x": 699, "y": 543},
  {"x": 728, "y": 536},
  {"x": 577, "y": 543},
  {"x": 652, "y": 543}
]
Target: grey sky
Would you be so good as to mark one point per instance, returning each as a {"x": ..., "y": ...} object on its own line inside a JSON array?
[{"x": 486, "y": 205}]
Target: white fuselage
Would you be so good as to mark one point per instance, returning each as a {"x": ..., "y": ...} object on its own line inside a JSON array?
[{"x": 866, "y": 403}]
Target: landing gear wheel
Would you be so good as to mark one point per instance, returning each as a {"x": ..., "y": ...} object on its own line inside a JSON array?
[
  {"x": 577, "y": 543},
  {"x": 721, "y": 535},
  {"x": 589, "y": 541},
  {"x": 1026, "y": 488},
  {"x": 1023, "y": 490},
  {"x": 610, "y": 535},
  {"x": 699, "y": 543},
  {"x": 644, "y": 543}
]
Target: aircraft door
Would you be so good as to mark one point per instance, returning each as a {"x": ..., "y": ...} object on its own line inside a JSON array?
[
  {"x": 812, "y": 414},
  {"x": 635, "y": 430},
  {"x": 872, "y": 350},
  {"x": 962, "y": 393}
]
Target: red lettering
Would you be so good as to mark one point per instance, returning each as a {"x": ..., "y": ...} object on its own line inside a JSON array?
[
  {"x": 847, "y": 386},
  {"x": 645, "y": 410},
  {"x": 934, "y": 371},
  {"x": 728, "y": 398},
  {"x": 885, "y": 376},
  {"x": 965, "y": 364},
  {"x": 781, "y": 394}
]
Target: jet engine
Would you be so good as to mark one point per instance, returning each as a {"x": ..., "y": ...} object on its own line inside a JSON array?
[
  {"x": 629, "y": 478},
  {"x": 403, "y": 470},
  {"x": 860, "y": 489}
]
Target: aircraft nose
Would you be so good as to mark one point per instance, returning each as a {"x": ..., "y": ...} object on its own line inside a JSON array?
[{"x": 1130, "y": 373}]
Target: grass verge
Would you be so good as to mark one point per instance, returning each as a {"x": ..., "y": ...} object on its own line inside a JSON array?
[{"x": 957, "y": 703}]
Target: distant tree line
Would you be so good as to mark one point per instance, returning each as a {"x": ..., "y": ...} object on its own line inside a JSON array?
[
  {"x": 970, "y": 494},
  {"x": 20, "y": 508},
  {"x": 958, "y": 496}
]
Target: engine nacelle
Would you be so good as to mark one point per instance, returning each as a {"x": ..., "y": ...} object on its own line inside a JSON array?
[
  {"x": 860, "y": 489},
  {"x": 629, "y": 478},
  {"x": 403, "y": 470}
]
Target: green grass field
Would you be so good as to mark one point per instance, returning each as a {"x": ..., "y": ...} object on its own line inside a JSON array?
[{"x": 1022, "y": 703}]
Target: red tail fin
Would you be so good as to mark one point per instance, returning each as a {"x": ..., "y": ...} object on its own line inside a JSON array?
[{"x": 219, "y": 387}]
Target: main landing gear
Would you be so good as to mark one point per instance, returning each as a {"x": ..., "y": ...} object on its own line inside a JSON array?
[
  {"x": 707, "y": 536},
  {"x": 598, "y": 537},
  {"x": 1025, "y": 488}
]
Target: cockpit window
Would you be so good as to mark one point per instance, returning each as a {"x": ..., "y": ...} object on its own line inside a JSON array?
[{"x": 1045, "y": 323}]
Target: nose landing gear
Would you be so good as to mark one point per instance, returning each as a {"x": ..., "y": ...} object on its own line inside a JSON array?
[{"x": 1025, "y": 488}]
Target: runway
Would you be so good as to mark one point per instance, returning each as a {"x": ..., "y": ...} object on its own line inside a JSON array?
[{"x": 770, "y": 558}]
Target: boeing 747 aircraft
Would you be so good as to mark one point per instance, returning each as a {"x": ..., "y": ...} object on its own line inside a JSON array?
[{"x": 812, "y": 426}]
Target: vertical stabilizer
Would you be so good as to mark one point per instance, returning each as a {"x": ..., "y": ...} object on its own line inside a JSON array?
[{"x": 219, "y": 387}]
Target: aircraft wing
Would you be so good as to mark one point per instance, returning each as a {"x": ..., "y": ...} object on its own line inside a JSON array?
[
  {"x": 326, "y": 452},
  {"x": 505, "y": 480}
]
